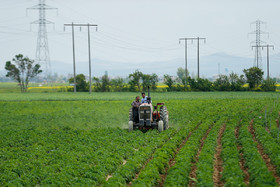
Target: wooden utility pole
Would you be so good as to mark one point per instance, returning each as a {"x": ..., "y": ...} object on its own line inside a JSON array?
[
  {"x": 89, "y": 51},
  {"x": 186, "y": 40}
]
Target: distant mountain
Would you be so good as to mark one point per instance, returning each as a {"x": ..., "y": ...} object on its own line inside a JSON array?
[{"x": 209, "y": 66}]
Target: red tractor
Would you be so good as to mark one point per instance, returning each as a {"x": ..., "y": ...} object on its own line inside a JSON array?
[{"x": 148, "y": 116}]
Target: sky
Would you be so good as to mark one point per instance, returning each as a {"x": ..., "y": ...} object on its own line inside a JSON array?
[{"x": 137, "y": 32}]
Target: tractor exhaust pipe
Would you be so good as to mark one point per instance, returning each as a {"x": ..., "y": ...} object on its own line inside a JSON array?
[{"x": 149, "y": 97}]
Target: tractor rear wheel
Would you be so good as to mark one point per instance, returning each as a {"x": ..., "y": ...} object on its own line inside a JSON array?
[
  {"x": 160, "y": 126},
  {"x": 164, "y": 117}
]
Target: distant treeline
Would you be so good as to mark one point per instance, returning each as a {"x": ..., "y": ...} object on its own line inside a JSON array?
[{"x": 139, "y": 81}]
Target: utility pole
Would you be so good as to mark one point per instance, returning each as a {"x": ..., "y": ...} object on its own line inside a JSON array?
[
  {"x": 267, "y": 55},
  {"x": 258, "y": 32},
  {"x": 89, "y": 51},
  {"x": 186, "y": 53},
  {"x": 42, "y": 49},
  {"x": 186, "y": 40}
]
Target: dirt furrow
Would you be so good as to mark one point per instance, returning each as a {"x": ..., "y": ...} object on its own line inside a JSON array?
[
  {"x": 194, "y": 168},
  {"x": 242, "y": 160},
  {"x": 264, "y": 156},
  {"x": 218, "y": 162},
  {"x": 172, "y": 161}
]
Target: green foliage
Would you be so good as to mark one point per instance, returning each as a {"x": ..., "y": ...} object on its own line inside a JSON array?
[
  {"x": 183, "y": 77},
  {"x": 222, "y": 83},
  {"x": 253, "y": 159},
  {"x": 22, "y": 71},
  {"x": 169, "y": 82},
  {"x": 200, "y": 84},
  {"x": 81, "y": 84},
  {"x": 254, "y": 76},
  {"x": 269, "y": 85},
  {"x": 135, "y": 80},
  {"x": 236, "y": 82},
  {"x": 117, "y": 84},
  {"x": 149, "y": 80},
  {"x": 229, "y": 83},
  {"x": 66, "y": 139}
]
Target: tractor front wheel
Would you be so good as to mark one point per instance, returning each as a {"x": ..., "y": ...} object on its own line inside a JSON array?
[
  {"x": 130, "y": 126},
  {"x": 160, "y": 126}
]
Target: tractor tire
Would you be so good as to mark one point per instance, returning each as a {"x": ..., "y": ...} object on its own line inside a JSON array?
[
  {"x": 164, "y": 117},
  {"x": 160, "y": 126},
  {"x": 130, "y": 126},
  {"x": 130, "y": 114}
]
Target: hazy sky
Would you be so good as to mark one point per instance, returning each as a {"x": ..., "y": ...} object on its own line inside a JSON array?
[{"x": 139, "y": 31}]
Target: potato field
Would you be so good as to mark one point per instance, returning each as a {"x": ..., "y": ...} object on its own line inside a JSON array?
[{"x": 67, "y": 139}]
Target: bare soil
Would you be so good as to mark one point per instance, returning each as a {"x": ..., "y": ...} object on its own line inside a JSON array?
[
  {"x": 242, "y": 160},
  {"x": 218, "y": 162},
  {"x": 194, "y": 168}
]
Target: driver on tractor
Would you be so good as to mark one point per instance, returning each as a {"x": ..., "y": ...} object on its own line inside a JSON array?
[
  {"x": 135, "y": 105},
  {"x": 144, "y": 98}
]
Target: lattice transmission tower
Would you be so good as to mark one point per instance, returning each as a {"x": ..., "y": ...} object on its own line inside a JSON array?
[
  {"x": 42, "y": 49},
  {"x": 258, "y": 32}
]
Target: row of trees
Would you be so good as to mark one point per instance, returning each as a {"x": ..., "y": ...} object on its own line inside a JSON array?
[
  {"x": 23, "y": 69},
  {"x": 253, "y": 76},
  {"x": 139, "y": 81}
]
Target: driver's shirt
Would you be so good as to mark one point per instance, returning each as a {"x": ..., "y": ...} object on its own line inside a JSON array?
[{"x": 144, "y": 100}]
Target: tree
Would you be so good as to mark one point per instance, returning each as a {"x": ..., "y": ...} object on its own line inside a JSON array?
[
  {"x": 135, "y": 80},
  {"x": 236, "y": 82},
  {"x": 22, "y": 71},
  {"x": 222, "y": 83},
  {"x": 182, "y": 77},
  {"x": 269, "y": 85},
  {"x": 254, "y": 76},
  {"x": 117, "y": 84},
  {"x": 149, "y": 80},
  {"x": 96, "y": 84},
  {"x": 200, "y": 84},
  {"x": 81, "y": 84},
  {"x": 169, "y": 82},
  {"x": 105, "y": 83}
]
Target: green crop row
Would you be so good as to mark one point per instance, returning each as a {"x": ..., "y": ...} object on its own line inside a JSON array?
[
  {"x": 232, "y": 174},
  {"x": 205, "y": 168},
  {"x": 259, "y": 173},
  {"x": 150, "y": 175},
  {"x": 127, "y": 172},
  {"x": 92, "y": 155},
  {"x": 271, "y": 148},
  {"x": 177, "y": 175}
]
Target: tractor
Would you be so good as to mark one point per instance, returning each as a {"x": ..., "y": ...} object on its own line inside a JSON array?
[{"x": 148, "y": 116}]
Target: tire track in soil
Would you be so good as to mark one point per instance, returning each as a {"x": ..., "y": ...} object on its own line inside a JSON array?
[
  {"x": 218, "y": 162},
  {"x": 194, "y": 168},
  {"x": 136, "y": 176},
  {"x": 242, "y": 160},
  {"x": 264, "y": 156},
  {"x": 172, "y": 161}
]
